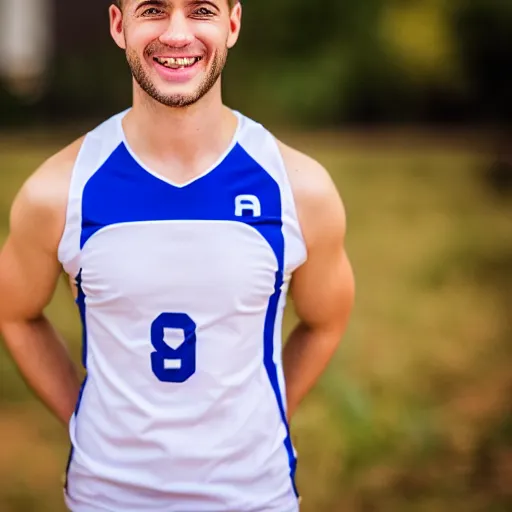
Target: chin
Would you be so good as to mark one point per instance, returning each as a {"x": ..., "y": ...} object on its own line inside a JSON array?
[
  {"x": 176, "y": 98},
  {"x": 177, "y": 92}
]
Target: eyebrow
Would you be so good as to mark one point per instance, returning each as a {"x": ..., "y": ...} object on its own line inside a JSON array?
[
  {"x": 165, "y": 2},
  {"x": 150, "y": 2},
  {"x": 202, "y": 2}
]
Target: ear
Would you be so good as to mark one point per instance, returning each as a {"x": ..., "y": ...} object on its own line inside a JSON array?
[
  {"x": 235, "y": 23},
  {"x": 116, "y": 26}
]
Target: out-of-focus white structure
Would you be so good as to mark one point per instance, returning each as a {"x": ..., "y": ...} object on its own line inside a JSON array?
[{"x": 25, "y": 44}]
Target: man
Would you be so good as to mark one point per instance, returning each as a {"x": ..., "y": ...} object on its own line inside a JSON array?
[{"x": 183, "y": 225}]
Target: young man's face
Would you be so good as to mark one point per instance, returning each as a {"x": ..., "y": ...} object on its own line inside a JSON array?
[{"x": 176, "y": 49}]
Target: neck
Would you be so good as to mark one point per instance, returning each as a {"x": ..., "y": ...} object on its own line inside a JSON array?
[{"x": 185, "y": 139}]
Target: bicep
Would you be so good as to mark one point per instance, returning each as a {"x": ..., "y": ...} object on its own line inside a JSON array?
[
  {"x": 322, "y": 289},
  {"x": 29, "y": 268}
]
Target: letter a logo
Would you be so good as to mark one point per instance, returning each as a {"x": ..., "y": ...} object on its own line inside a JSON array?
[{"x": 247, "y": 203}]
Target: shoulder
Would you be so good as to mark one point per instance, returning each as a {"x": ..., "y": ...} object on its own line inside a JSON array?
[
  {"x": 318, "y": 202},
  {"x": 47, "y": 188},
  {"x": 39, "y": 209}
]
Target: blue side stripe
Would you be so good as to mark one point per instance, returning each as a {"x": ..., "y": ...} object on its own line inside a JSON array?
[
  {"x": 80, "y": 302},
  {"x": 271, "y": 368}
]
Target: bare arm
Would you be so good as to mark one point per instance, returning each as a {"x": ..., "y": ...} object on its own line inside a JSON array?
[
  {"x": 323, "y": 288},
  {"x": 29, "y": 270}
]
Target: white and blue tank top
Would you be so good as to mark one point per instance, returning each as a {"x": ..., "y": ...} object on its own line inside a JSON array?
[{"x": 181, "y": 292}]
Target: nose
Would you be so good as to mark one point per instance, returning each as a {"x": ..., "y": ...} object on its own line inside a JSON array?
[{"x": 178, "y": 33}]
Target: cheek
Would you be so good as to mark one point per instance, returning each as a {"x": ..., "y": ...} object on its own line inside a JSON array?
[
  {"x": 212, "y": 38},
  {"x": 141, "y": 38}
]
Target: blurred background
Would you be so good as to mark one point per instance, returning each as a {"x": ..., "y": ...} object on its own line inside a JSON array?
[{"x": 408, "y": 103}]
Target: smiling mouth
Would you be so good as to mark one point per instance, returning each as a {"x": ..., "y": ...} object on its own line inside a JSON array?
[{"x": 177, "y": 63}]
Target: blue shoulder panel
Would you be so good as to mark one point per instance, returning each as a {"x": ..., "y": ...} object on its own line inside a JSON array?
[{"x": 122, "y": 191}]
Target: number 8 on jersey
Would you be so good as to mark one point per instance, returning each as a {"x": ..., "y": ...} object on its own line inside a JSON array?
[{"x": 173, "y": 364}]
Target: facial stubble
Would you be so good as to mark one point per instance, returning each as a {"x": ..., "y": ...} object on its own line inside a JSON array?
[{"x": 175, "y": 100}]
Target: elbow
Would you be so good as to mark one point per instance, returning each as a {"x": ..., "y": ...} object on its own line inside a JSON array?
[
  {"x": 11, "y": 321},
  {"x": 348, "y": 299},
  {"x": 340, "y": 319}
]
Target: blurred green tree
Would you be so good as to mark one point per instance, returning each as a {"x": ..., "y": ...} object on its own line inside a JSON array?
[{"x": 311, "y": 63}]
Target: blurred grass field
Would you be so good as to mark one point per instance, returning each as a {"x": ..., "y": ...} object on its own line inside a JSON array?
[{"x": 415, "y": 412}]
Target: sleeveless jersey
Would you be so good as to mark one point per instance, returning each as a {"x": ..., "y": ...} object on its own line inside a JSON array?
[{"x": 181, "y": 291}]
